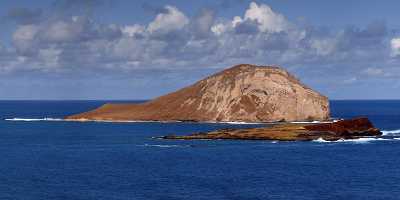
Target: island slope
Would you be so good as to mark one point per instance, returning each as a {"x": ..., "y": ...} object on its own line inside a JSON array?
[{"x": 246, "y": 93}]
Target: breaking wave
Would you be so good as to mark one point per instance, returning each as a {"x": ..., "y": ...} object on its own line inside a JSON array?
[
  {"x": 115, "y": 121},
  {"x": 82, "y": 120},
  {"x": 241, "y": 122},
  {"x": 164, "y": 145},
  {"x": 33, "y": 119},
  {"x": 391, "y": 132},
  {"x": 315, "y": 122},
  {"x": 312, "y": 122},
  {"x": 358, "y": 140}
]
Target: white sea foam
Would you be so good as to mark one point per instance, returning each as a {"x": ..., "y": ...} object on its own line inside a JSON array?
[
  {"x": 115, "y": 121},
  {"x": 81, "y": 120},
  {"x": 33, "y": 119},
  {"x": 171, "y": 121},
  {"x": 358, "y": 140},
  {"x": 163, "y": 145},
  {"x": 315, "y": 122},
  {"x": 391, "y": 132},
  {"x": 312, "y": 122},
  {"x": 241, "y": 122},
  {"x": 320, "y": 140}
]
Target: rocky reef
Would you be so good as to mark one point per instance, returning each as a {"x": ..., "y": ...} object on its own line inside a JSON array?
[
  {"x": 246, "y": 93},
  {"x": 330, "y": 131}
]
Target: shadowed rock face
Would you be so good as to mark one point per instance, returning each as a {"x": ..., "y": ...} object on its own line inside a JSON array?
[
  {"x": 345, "y": 129},
  {"x": 242, "y": 93}
]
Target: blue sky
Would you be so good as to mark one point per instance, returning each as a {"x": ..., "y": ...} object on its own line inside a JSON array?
[{"x": 103, "y": 49}]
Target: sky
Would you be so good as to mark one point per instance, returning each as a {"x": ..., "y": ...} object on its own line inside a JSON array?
[{"x": 122, "y": 49}]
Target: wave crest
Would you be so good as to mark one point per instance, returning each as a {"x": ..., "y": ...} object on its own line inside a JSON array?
[
  {"x": 358, "y": 140},
  {"x": 391, "y": 132},
  {"x": 114, "y": 121},
  {"x": 33, "y": 119},
  {"x": 164, "y": 145}
]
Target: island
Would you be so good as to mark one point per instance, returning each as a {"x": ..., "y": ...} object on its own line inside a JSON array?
[
  {"x": 242, "y": 93},
  {"x": 328, "y": 131}
]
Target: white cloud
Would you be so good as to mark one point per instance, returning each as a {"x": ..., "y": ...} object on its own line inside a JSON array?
[
  {"x": 50, "y": 57},
  {"x": 350, "y": 80},
  {"x": 24, "y": 37},
  {"x": 133, "y": 30},
  {"x": 171, "y": 20},
  {"x": 66, "y": 30},
  {"x": 25, "y": 32},
  {"x": 324, "y": 47},
  {"x": 236, "y": 21},
  {"x": 395, "y": 46},
  {"x": 387, "y": 72},
  {"x": 218, "y": 29},
  {"x": 61, "y": 31},
  {"x": 126, "y": 48},
  {"x": 260, "y": 35},
  {"x": 201, "y": 24},
  {"x": 266, "y": 18},
  {"x": 371, "y": 71}
]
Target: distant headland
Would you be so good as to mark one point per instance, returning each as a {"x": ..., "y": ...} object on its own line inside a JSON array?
[{"x": 242, "y": 93}]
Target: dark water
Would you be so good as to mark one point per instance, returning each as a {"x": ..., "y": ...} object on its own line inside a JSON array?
[{"x": 72, "y": 160}]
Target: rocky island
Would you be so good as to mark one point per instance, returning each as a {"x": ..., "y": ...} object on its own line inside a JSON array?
[
  {"x": 329, "y": 131},
  {"x": 245, "y": 93}
]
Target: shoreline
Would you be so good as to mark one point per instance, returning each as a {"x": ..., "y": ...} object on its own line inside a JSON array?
[
  {"x": 343, "y": 129},
  {"x": 172, "y": 121}
]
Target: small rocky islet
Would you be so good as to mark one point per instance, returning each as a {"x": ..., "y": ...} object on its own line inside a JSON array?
[
  {"x": 329, "y": 131},
  {"x": 243, "y": 93}
]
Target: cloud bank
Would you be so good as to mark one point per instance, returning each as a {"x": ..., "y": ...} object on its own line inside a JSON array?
[{"x": 75, "y": 43}]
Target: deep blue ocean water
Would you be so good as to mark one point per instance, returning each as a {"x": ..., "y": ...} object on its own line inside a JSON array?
[{"x": 93, "y": 160}]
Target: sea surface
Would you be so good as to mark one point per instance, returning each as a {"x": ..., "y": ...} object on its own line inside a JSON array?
[{"x": 54, "y": 159}]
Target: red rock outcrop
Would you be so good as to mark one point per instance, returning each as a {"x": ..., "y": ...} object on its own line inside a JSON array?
[
  {"x": 352, "y": 127},
  {"x": 244, "y": 92}
]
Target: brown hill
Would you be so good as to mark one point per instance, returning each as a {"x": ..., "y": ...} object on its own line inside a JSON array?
[{"x": 244, "y": 92}]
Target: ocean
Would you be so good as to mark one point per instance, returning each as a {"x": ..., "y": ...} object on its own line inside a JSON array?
[{"x": 55, "y": 159}]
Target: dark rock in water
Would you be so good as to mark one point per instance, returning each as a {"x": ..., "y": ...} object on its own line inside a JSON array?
[
  {"x": 344, "y": 129},
  {"x": 352, "y": 127},
  {"x": 246, "y": 93}
]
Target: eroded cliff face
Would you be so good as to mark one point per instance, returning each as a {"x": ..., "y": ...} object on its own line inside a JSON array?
[{"x": 246, "y": 93}]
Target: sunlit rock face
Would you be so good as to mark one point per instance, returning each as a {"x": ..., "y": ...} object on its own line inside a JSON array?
[{"x": 244, "y": 92}]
